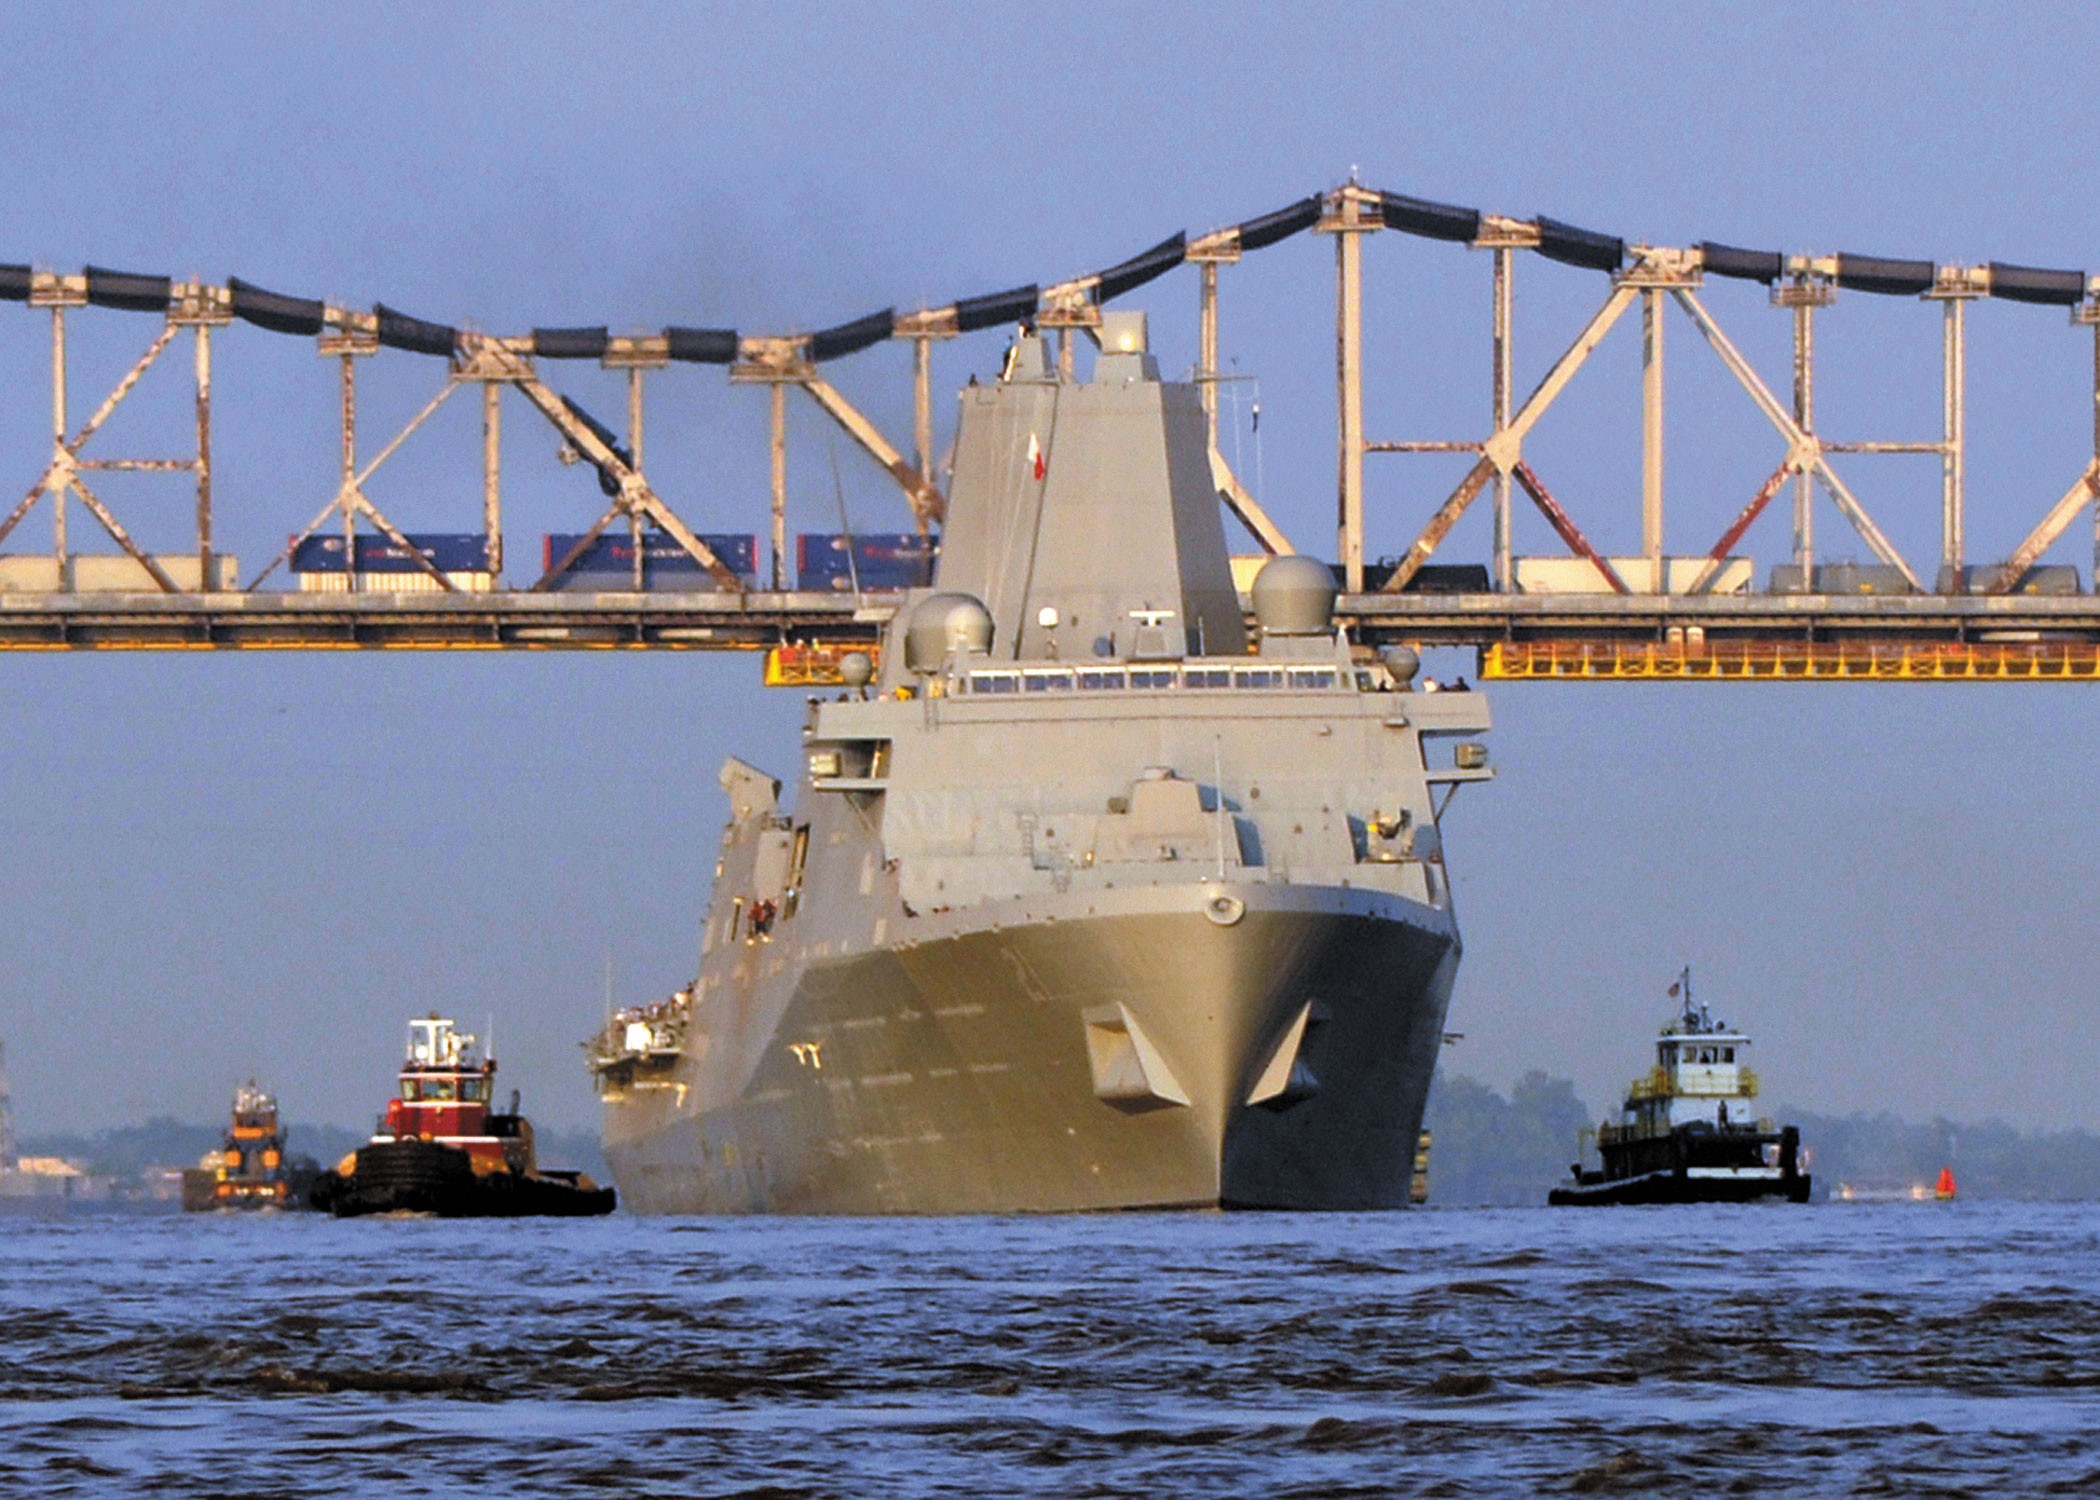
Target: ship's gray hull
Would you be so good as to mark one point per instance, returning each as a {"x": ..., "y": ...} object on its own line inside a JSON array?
[
  {"x": 957, "y": 1074},
  {"x": 1086, "y": 896}
]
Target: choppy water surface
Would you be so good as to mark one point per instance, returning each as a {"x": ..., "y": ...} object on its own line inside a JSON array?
[{"x": 1871, "y": 1350}]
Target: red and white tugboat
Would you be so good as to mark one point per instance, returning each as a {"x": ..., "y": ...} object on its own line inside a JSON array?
[
  {"x": 1690, "y": 1132},
  {"x": 443, "y": 1149}
]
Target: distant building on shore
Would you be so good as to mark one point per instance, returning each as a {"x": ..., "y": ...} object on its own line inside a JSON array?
[
  {"x": 7, "y": 1118},
  {"x": 36, "y": 1179}
]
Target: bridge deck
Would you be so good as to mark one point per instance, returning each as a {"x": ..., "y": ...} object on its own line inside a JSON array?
[{"x": 1529, "y": 628}]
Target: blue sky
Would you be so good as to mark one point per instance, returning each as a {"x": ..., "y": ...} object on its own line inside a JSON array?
[{"x": 223, "y": 865}]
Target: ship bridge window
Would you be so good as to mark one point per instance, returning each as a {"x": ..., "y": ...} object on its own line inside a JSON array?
[
  {"x": 1312, "y": 677},
  {"x": 438, "y": 1089},
  {"x": 474, "y": 1090},
  {"x": 1152, "y": 677},
  {"x": 1728, "y": 1054},
  {"x": 1046, "y": 682},
  {"x": 1207, "y": 677},
  {"x": 995, "y": 682},
  {"x": 411, "y": 1091},
  {"x": 1096, "y": 680}
]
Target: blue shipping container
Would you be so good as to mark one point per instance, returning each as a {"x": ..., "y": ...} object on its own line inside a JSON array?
[
  {"x": 607, "y": 564},
  {"x": 881, "y": 562},
  {"x": 447, "y": 551}
]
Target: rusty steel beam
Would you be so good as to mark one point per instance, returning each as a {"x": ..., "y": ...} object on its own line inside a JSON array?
[
  {"x": 492, "y": 474},
  {"x": 1953, "y": 433},
  {"x": 2085, "y": 487},
  {"x": 1802, "y": 448},
  {"x": 1806, "y": 284},
  {"x": 1652, "y": 436},
  {"x": 63, "y": 474},
  {"x": 1502, "y": 349},
  {"x": 350, "y": 500},
  {"x": 927, "y": 503},
  {"x": 1349, "y": 216},
  {"x": 122, "y": 537},
  {"x": 207, "y": 579},
  {"x": 578, "y": 548},
  {"x": 1565, "y": 526},
  {"x": 1504, "y": 450},
  {"x": 1243, "y": 505},
  {"x": 1439, "y": 525},
  {"x": 58, "y": 433},
  {"x": 1207, "y": 346},
  {"x": 777, "y": 431},
  {"x": 634, "y": 418},
  {"x": 60, "y": 473},
  {"x": 1718, "y": 554},
  {"x": 922, "y": 405},
  {"x": 635, "y": 493}
]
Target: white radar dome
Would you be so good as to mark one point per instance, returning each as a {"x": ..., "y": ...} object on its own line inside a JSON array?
[
  {"x": 1402, "y": 661},
  {"x": 942, "y": 624},
  {"x": 1294, "y": 595}
]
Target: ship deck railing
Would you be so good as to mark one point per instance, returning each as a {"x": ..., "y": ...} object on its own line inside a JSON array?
[
  {"x": 1266, "y": 677},
  {"x": 1659, "y": 1084}
]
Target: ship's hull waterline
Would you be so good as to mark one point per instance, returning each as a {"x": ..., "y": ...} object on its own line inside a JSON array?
[{"x": 964, "y": 1074}]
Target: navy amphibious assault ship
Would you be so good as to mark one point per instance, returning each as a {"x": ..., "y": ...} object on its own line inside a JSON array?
[{"x": 1086, "y": 897}]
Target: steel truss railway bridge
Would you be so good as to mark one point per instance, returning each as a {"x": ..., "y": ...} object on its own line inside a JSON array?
[{"x": 1585, "y": 616}]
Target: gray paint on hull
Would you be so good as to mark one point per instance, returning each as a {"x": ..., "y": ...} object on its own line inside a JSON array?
[
  {"x": 955, "y": 1076},
  {"x": 998, "y": 850}
]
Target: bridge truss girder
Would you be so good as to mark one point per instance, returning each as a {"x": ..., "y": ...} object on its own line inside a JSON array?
[{"x": 1656, "y": 277}]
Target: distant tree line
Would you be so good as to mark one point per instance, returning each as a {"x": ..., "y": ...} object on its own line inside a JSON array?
[
  {"x": 1486, "y": 1149},
  {"x": 1989, "y": 1160},
  {"x": 1492, "y": 1150},
  {"x": 129, "y": 1153}
]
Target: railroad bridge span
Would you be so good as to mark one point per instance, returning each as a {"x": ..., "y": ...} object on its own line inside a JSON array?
[{"x": 642, "y": 569}]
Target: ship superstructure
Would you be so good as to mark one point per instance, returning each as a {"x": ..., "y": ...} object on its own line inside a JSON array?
[
  {"x": 1690, "y": 1131},
  {"x": 1087, "y": 896}
]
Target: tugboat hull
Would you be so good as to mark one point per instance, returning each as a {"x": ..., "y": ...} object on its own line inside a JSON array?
[
  {"x": 1695, "y": 1164},
  {"x": 423, "y": 1177},
  {"x": 1668, "y": 1187}
]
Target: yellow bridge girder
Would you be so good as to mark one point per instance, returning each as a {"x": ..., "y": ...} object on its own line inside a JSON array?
[
  {"x": 1791, "y": 661},
  {"x": 814, "y": 663}
]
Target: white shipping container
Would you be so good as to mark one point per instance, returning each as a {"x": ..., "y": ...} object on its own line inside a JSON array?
[
  {"x": 1578, "y": 575},
  {"x": 120, "y": 573},
  {"x": 478, "y": 582}
]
